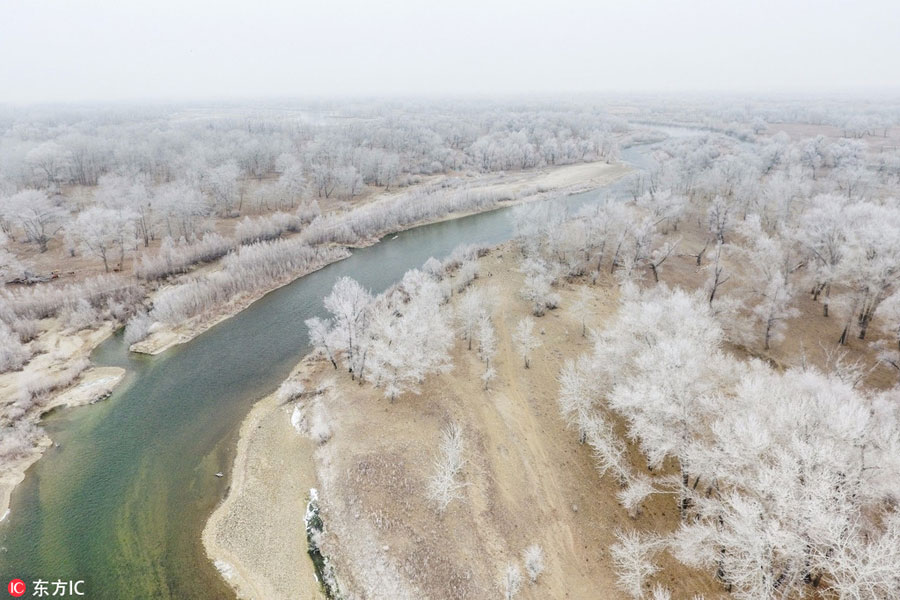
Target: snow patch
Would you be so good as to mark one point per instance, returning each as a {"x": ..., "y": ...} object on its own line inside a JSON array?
[
  {"x": 297, "y": 420},
  {"x": 226, "y": 569}
]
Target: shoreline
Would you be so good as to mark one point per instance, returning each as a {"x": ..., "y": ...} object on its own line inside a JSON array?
[
  {"x": 166, "y": 337},
  {"x": 92, "y": 385},
  {"x": 268, "y": 419}
]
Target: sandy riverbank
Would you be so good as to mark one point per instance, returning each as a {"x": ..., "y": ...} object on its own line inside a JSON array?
[
  {"x": 528, "y": 479},
  {"x": 259, "y": 528}
]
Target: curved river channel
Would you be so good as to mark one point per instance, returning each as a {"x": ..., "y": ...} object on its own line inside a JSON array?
[{"x": 122, "y": 502}]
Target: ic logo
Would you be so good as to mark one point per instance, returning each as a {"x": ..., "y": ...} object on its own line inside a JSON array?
[{"x": 16, "y": 588}]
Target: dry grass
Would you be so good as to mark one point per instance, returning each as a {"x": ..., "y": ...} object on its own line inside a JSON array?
[{"x": 528, "y": 480}]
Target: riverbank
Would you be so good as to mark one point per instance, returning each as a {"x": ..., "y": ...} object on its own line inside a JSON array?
[
  {"x": 528, "y": 480},
  {"x": 62, "y": 376},
  {"x": 163, "y": 337},
  {"x": 521, "y": 187},
  {"x": 258, "y": 528}
]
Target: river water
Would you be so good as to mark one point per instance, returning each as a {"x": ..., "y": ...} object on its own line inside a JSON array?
[{"x": 122, "y": 502}]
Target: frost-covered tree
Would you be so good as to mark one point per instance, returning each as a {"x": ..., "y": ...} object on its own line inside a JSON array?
[
  {"x": 10, "y": 266},
  {"x": 221, "y": 183},
  {"x": 767, "y": 284},
  {"x": 870, "y": 266},
  {"x": 350, "y": 306},
  {"x": 511, "y": 581},
  {"x": 638, "y": 489},
  {"x": 578, "y": 396},
  {"x": 632, "y": 556},
  {"x": 717, "y": 274},
  {"x": 889, "y": 349},
  {"x": 486, "y": 339},
  {"x": 467, "y": 273},
  {"x": 537, "y": 287},
  {"x": 13, "y": 353},
  {"x": 445, "y": 483},
  {"x": 822, "y": 235},
  {"x": 533, "y": 559},
  {"x": 36, "y": 214},
  {"x": 183, "y": 210},
  {"x": 322, "y": 337},
  {"x": 409, "y": 336},
  {"x": 774, "y": 307},
  {"x": 581, "y": 308},
  {"x": 471, "y": 308},
  {"x": 50, "y": 162},
  {"x": 292, "y": 183},
  {"x": 525, "y": 339},
  {"x": 106, "y": 233}
]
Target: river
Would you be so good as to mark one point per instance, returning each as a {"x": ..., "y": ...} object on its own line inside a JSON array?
[{"x": 122, "y": 502}]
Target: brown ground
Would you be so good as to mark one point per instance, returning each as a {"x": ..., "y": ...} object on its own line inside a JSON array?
[{"x": 529, "y": 480}]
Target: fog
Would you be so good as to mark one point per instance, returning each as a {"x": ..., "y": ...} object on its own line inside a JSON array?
[{"x": 109, "y": 50}]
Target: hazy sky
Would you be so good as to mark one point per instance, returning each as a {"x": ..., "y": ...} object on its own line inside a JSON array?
[{"x": 74, "y": 50}]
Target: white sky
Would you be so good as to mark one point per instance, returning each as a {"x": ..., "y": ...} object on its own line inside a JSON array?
[{"x": 76, "y": 50}]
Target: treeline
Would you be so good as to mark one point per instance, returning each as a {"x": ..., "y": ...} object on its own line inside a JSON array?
[
  {"x": 250, "y": 269},
  {"x": 338, "y": 147},
  {"x": 744, "y": 118},
  {"x": 416, "y": 206}
]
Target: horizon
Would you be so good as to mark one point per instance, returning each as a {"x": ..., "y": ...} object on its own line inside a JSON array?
[{"x": 873, "y": 95}]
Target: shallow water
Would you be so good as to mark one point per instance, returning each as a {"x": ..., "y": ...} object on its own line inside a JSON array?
[{"x": 122, "y": 502}]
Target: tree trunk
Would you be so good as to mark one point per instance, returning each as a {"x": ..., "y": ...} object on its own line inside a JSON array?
[{"x": 863, "y": 327}]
